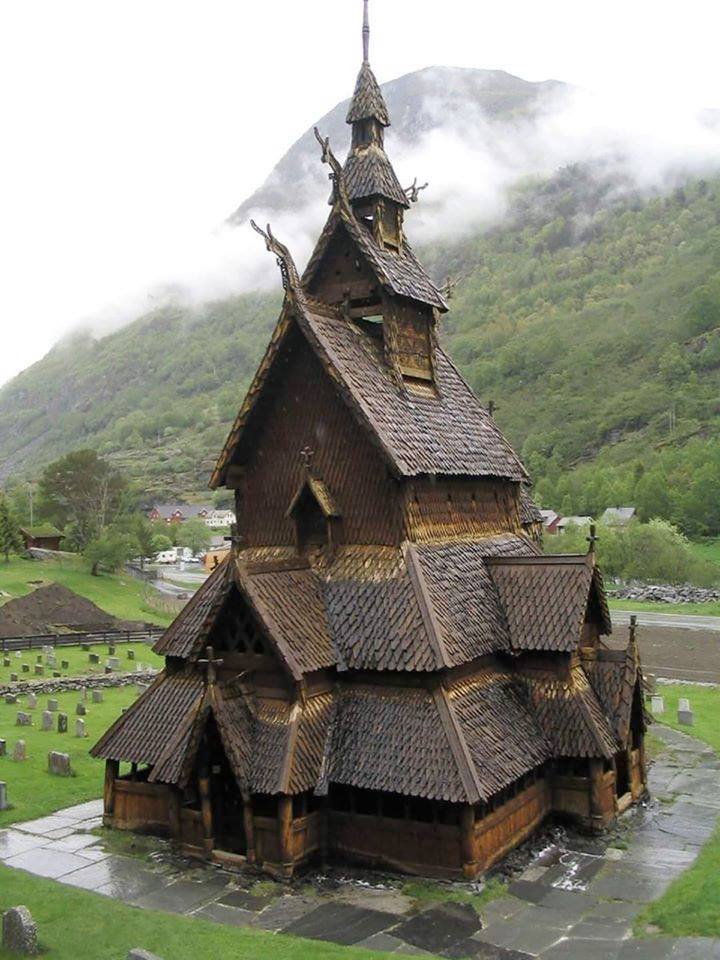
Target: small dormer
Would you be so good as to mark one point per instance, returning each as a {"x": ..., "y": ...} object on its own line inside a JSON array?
[{"x": 316, "y": 517}]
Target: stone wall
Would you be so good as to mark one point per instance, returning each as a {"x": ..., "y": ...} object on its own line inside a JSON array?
[{"x": 91, "y": 681}]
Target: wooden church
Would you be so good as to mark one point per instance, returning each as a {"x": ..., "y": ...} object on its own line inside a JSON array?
[{"x": 386, "y": 669}]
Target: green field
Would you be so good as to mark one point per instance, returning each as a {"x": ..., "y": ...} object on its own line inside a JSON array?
[
  {"x": 31, "y": 789},
  {"x": 691, "y": 906},
  {"x": 119, "y": 595},
  {"x": 707, "y": 549},
  {"x": 641, "y": 606},
  {"x": 78, "y": 661}
]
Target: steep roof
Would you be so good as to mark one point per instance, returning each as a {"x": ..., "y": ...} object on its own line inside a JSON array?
[
  {"x": 367, "y": 100},
  {"x": 369, "y": 173},
  {"x": 615, "y": 676}
]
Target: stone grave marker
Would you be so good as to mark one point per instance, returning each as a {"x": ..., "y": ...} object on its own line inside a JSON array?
[
  {"x": 39, "y": 658},
  {"x": 47, "y": 720},
  {"x": 131, "y": 654},
  {"x": 32, "y": 701},
  {"x": 56, "y": 673},
  {"x": 62, "y": 726},
  {"x": 19, "y": 751},
  {"x": 97, "y": 696},
  {"x": 23, "y": 719},
  {"x": 4, "y": 805},
  {"x": 39, "y": 670},
  {"x": 25, "y": 667},
  {"x": 84, "y": 692},
  {"x": 13, "y": 678},
  {"x": 685, "y": 714},
  {"x": 3, "y": 748},
  {"x": 111, "y": 650},
  {"x": 11, "y": 698},
  {"x": 80, "y": 728},
  {"x": 19, "y": 932},
  {"x": 657, "y": 704},
  {"x": 139, "y": 667},
  {"x": 85, "y": 647},
  {"x": 51, "y": 661},
  {"x": 59, "y": 764},
  {"x": 65, "y": 664},
  {"x": 53, "y": 705},
  {"x": 80, "y": 710},
  {"x": 137, "y": 953},
  {"x": 108, "y": 668},
  {"x": 94, "y": 658},
  {"x": 114, "y": 663},
  {"x": 18, "y": 655},
  {"x": 6, "y": 661}
]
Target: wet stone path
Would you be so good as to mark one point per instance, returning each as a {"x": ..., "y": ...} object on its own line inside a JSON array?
[{"x": 574, "y": 901}]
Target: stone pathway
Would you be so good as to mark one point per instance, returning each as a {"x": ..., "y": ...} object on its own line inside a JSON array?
[{"x": 574, "y": 903}]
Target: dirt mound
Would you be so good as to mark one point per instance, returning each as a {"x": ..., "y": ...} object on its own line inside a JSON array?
[{"x": 56, "y": 609}]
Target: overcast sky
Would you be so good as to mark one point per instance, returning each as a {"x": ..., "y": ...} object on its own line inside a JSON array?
[{"x": 129, "y": 127}]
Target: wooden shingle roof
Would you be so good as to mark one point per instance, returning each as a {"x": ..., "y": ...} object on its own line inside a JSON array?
[
  {"x": 614, "y": 675},
  {"x": 369, "y": 173},
  {"x": 367, "y": 100},
  {"x": 188, "y": 634}
]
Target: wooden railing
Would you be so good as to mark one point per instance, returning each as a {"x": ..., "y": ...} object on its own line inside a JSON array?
[{"x": 75, "y": 639}]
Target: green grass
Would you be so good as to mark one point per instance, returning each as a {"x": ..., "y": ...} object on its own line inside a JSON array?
[
  {"x": 711, "y": 609},
  {"x": 690, "y": 907},
  {"x": 119, "y": 595},
  {"x": 76, "y": 925},
  {"x": 707, "y": 549},
  {"x": 78, "y": 659},
  {"x": 425, "y": 892},
  {"x": 31, "y": 789}
]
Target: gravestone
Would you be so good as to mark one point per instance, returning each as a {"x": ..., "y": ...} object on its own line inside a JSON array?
[
  {"x": 657, "y": 704},
  {"x": 11, "y": 698},
  {"x": 48, "y": 649},
  {"x": 131, "y": 654},
  {"x": 47, "y": 720},
  {"x": 25, "y": 667},
  {"x": 65, "y": 664},
  {"x": 39, "y": 670},
  {"x": 19, "y": 932},
  {"x": 80, "y": 728},
  {"x": 59, "y": 764},
  {"x": 51, "y": 662},
  {"x": 62, "y": 726},
  {"x": 56, "y": 673},
  {"x": 97, "y": 696},
  {"x": 650, "y": 682},
  {"x": 13, "y": 678},
  {"x": 94, "y": 658},
  {"x": 139, "y": 667},
  {"x": 18, "y": 655},
  {"x": 108, "y": 668},
  {"x": 6, "y": 661},
  {"x": 80, "y": 710},
  {"x": 85, "y": 646},
  {"x": 32, "y": 701},
  {"x": 113, "y": 663},
  {"x": 84, "y": 692},
  {"x": 19, "y": 751},
  {"x": 3, "y": 748},
  {"x": 111, "y": 650},
  {"x": 4, "y": 805},
  {"x": 39, "y": 658},
  {"x": 137, "y": 953},
  {"x": 53, "y": 706},
  {"x": 685, "y": 714},
  {"x": 23, "y": 719}
]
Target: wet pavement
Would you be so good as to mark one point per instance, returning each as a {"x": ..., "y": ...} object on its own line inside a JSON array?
[{"x": 573, "y": 901}]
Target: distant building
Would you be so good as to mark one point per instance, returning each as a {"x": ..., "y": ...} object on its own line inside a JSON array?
[
  {"x": 179, "y": 512},
  {"x": 618, "y": 516},
  {"x": 44, "y": 537},
  {"x": 566, "y": 522},
  {"x": 550, "y": 520},
  {"x": 220, "y": 518}
]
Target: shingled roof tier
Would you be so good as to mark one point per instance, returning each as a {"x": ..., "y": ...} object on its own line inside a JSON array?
[
  {"x": 367, "y": 100},
  {"x": 188, "y": 634},
  {"x": 615, "y": 676},
  {"x": 369, "y": 173}
]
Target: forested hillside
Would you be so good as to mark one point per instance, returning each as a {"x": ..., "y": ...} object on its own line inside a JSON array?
[{"x": 591, "y": 317}]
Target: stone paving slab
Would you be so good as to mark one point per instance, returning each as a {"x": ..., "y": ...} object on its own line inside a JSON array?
[
  {"x": 578, "y": 949},
  {"x": 343, "y": 924},
  {"x": 51, "y": 864},
  {"x": 13, "y": 842},
  {"x": 183, "y": 896},
  {"x": 439, "y": 928},
  {"x": 222, "y": 914}
]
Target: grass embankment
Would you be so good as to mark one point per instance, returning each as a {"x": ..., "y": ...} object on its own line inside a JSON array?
[
  {"x": 119, "y": 595},
  {"x": 691, "y": 905},
  {"x": 76, "y": 925},
  {"x": 31, "y": 789},
  {"x": 711, "y": 609},
  {"x": 707, "y": 549},
  {"x": 78, "y": 660}
]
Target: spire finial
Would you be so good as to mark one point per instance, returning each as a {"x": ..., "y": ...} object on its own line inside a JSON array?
[{"x": 366, "y": 31}]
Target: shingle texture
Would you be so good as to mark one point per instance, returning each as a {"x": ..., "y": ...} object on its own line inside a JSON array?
[
  {"x": 367, "y": 100},
  {"x": 189, "y": 632},
  {"x": 448, "y": 434},
  {"x": 614, "y": 676},
  {"x": 369, "y": 173}
]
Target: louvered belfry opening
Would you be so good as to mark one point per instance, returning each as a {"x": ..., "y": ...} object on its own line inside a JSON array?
[{"x": 386, "y": 668}]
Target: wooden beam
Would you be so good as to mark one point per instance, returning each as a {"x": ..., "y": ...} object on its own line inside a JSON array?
[
  {"x": 285, "y": 825},
  {"x": 112, "y": 769},
  {"x": 206, "y": 809}
]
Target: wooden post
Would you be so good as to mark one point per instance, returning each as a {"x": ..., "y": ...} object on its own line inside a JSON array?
[
  {"x": 112, "y": 768},
  {"x": 596, "y": 809},
  {"x": 174, "y": 812},
  {"x": 249, "y": 824},
  {"x": 285, "y": 825},
  {"x": 470, "y": 864},
  {"x": 206, "y": 809}
]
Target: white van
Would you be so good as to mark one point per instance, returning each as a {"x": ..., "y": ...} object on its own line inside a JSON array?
[{"x": 166, "y": 556}]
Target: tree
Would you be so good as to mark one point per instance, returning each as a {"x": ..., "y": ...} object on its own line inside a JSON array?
[
  {"x": 84, "y": 490},
  {"x": 144, "y": 534},
  {"x": 111, "y": 551},
  {"x": 161, "y": 542},
  {"x": 195, "y": 535},
  {"x": 10, "y": 541}
]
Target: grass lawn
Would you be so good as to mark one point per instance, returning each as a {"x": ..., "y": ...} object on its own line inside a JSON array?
[
  {"x": 31, "y": 789},
  {"x": 78, "y": 660},
  {"x": 120, "y": 595},
  {"x": 691, "y": 905},
  {"x": 76, "y": 925},
  {"x": 710, "y": 609},
  {"x": 707, "y": 549}
]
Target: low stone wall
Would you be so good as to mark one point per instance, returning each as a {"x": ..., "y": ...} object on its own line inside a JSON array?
[
  {"x": 91, "y": 681},
  {"x": 664, "y": 593}
]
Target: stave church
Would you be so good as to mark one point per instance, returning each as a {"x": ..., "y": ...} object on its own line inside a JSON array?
[{"x": 386, "y": 669}]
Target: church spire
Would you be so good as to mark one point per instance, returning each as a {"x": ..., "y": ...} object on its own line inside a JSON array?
[{"x": 366, "y": 31}]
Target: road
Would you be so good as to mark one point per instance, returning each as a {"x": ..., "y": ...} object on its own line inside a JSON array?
[{"x": 678, "y": 621}]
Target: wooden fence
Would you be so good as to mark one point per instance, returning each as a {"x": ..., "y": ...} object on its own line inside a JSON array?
[{"x": 74, "y": 639}]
